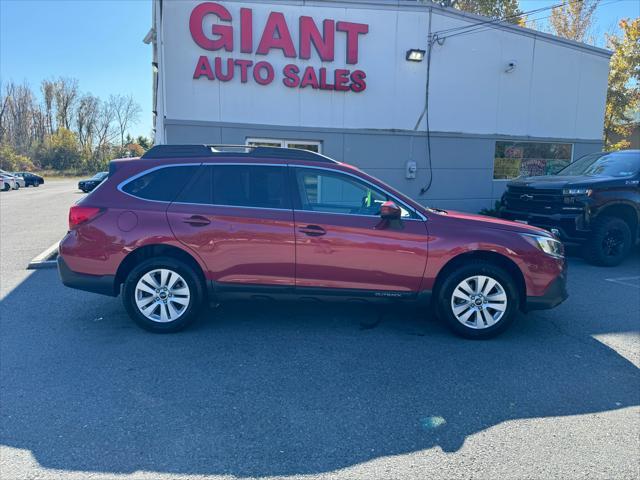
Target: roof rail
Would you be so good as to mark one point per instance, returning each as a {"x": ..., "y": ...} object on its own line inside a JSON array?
[{"x": 249, "y": 151}]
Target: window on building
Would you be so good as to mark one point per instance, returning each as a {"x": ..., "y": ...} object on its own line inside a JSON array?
[
  {"x": 162, "y": 184},
  {"x": 250, "y": 186},
  {"x": 311, "y": 145},
  {"x": 514, "y": 159}
]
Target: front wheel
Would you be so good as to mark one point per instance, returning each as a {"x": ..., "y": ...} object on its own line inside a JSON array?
[
  {"x": 609, "y": 243},
  {"x": 162, "y": 295},
  {"x": 478, "y": 300}
]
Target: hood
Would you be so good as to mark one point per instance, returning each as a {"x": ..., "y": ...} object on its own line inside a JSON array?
[
  {"x": 560, "y": 181},
  {"x": 493, "y": 222}
]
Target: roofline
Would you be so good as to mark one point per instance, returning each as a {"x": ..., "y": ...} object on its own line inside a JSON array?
[{"x": 434, "y": 7}]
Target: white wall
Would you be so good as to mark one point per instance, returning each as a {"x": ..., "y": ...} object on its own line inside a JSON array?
[{"x": 555, "y": 91}]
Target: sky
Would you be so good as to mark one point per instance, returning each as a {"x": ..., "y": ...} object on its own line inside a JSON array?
[{"x": 99, "y": 42}]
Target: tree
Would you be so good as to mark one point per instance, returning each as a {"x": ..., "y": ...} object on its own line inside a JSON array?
[
  {"x": 144, "y": 142},
  {"x": 127, "y": 113},
  {"x": 65, "y": 94},
  {"x": 47, "y": 87},
  {"x": 573, "y": 19},
  {"x": 12, "y": 161},
  {"x": 623, "y": 94},
  {"x": 86, "y": 120},
  {"x": 60, "y": 151},
  {"x": 503, "y": 9}
]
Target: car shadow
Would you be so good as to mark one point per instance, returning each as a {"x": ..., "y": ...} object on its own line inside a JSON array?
[{"x": 267, "y": 389}]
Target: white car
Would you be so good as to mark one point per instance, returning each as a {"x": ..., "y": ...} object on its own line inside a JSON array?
[
  {"x": 8, "y": 182},
  {"x": 17, "y": 181}
]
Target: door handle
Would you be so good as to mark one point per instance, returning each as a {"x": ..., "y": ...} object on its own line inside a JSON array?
[
  {"x": 313, "y": 230},
  {"x": 197, "y": 221}
]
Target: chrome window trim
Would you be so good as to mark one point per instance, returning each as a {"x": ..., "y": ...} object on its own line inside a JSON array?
[
  {"x": 376, "y": 187},
  {"x": 149, "y": 170}
]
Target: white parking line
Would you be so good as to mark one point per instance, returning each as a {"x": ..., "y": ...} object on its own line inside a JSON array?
[{"x": 626, "y": 281}]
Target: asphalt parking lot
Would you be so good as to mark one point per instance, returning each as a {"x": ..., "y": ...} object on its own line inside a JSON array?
[{"x": 320, "y": 391}]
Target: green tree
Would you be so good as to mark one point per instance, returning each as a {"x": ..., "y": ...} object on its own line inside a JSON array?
[
  {"x": 144, "y": 142},
  {"x": 12, "y": 161},
  {"x": 507, "y": 9},
  {"x": 61, "y": 151},
  {"x": 623, "y": 94},
  {"x": 573, "y": 19}
]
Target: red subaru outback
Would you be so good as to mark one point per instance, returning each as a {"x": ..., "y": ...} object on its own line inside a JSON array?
[{"x": 186, "y": 224}]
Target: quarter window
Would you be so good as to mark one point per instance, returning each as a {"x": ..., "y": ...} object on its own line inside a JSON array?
[
  {"x": 514, "y": 159},
  {"x": 162, "y": 184},
  {"x": 250, "y": 186},
  {"x": 322, "y": 191}
]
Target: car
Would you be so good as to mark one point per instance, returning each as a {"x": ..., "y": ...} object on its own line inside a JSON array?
[
  {"x": 30, "y": 179},
  {"x": 8, "y": 182},
  {"x": 91, "y": 183},
  {"x": 184, "y": 225},
  {"x": 17, "y": 182},
  {"x": 593, "y": 203}
]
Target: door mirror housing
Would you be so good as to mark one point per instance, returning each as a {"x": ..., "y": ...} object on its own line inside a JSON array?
[{"x": 390, "y": 211}]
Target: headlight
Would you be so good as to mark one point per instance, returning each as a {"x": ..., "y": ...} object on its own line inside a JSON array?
[
  {"x": 548, "y": 245},
  {"x": 577, "y": 191}
]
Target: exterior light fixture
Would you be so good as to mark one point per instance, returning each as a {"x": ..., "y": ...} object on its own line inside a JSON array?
[{"x": 415, "y": 55}]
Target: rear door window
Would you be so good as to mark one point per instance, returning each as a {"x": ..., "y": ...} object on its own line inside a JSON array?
[
  {"x": 251, "y": 186},
  {"x": 162, "y": 184}
]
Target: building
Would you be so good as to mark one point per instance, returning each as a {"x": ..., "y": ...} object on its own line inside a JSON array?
[{"x": 349, "y": 78}]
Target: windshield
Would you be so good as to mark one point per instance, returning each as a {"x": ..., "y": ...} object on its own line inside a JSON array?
[
  {"x": 100, "y": 175},
  {"x": 604, "y": 164}
]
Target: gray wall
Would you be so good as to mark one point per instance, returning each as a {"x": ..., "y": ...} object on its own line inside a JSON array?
[{"x": 462, "y": 163}]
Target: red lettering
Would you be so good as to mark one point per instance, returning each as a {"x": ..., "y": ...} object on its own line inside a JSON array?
[
  {"x": 276, "y": 24},
  {"x": 246, "y": 30},
  {"x": 309, "y": 78},
  {"x": 203, "y": 67},
  {"x": 225, "y": 32},
  {"x": 352, "y": 30},
  {"x": 324, "y": 44},
  {"x": 323, "y": 80},
  {"x": 291, "y": 79},
  {"x": 244, "y": 66},
  {"x": 341, "y": 78},
  {"x": 263, "y": 66},
  {"x": 218, "y": 66},
  {"x": 357, "y": 77}
]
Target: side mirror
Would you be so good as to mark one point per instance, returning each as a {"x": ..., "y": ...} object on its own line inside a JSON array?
[{"x": 390, "y": 211}]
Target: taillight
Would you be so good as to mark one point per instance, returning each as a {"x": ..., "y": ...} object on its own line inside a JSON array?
[{"x": 79, "y": 215}]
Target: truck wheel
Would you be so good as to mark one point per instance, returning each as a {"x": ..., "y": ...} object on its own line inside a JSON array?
[
  {"x": 478, "y": 300},
  {"x": 162, "y": 295},
  {"x": 609, "y": 243}
]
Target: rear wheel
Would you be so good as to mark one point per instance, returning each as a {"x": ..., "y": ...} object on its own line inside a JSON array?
[
  {"x": 609, "y": 243},
  {"x": 162, "y": 295},
  {"x": 478, "y": 300}
]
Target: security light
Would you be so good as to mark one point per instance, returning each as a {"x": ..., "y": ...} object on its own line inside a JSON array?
[{"x": 415, "y": 55}]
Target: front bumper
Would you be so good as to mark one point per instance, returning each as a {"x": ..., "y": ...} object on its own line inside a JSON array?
[
  {"x": 102, "y": 284},
  {"x": 570, "y": 227},
  {"x": 556, "y": 294}
]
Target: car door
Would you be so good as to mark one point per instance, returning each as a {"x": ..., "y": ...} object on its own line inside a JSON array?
[
  {"x": 342, "y": 242},
  {"x": 239, "y": 219}
]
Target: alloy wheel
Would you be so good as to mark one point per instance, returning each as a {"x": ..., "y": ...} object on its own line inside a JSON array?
[
  {"x": 479, "y": 302},
  {"x": 162, "y": 295}
]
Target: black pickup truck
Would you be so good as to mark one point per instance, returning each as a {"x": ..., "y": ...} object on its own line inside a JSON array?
[{"x": 593, "y": 202}]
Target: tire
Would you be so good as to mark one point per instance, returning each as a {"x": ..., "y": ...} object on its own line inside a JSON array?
[
  {"x": 473, "y": 277},
  {"x": 609, "y": 243},
  {"x": 17, "y": 186},
  {"x": 158, "y": 318},
  {"x": 6, "y": 187}
]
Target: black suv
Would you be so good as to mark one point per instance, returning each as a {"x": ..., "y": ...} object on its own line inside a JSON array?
[{"x": 593, "y": 202}]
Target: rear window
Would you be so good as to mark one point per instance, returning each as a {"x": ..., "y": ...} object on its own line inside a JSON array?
[
  {"x": 162, "y": 184},
  {"x": 250, "y": 186}
]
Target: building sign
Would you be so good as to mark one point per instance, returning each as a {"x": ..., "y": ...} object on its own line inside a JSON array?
[{"x": 276, "y": 36}]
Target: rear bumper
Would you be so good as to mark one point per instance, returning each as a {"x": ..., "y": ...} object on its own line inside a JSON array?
[
  {"x": 102, "y": 284},
  {"x": 554, "y": 296}
]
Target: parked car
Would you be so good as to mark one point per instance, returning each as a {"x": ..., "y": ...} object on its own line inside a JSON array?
[
  {"x": 185, "y": 224},
  {"x": 30, "y": 179},
  {"x": 8, "y": 182},
  {"x": 17, "y": 182},
  {"x": 593, "y": 202},
  {"x": 88, "y": 185}
]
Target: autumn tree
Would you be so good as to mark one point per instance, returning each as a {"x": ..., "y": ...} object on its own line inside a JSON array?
[
  {"x": 503, "y": 9},
  {"x": 623, "y": 94},
  {"x": 65, "y": 94},
  {"x": 573, "y": 19},
  {"x": 126, "y": 111}
]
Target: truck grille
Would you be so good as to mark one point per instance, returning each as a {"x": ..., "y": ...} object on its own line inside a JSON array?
[{"x": 534, "y": 200}]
